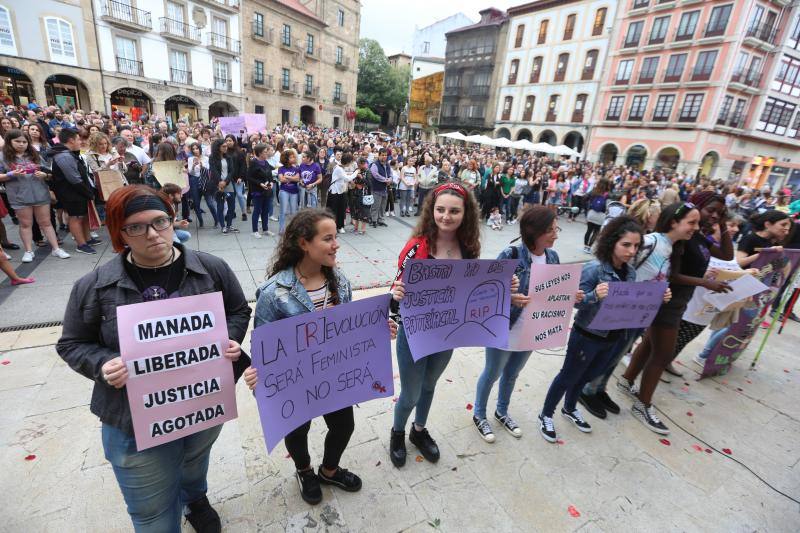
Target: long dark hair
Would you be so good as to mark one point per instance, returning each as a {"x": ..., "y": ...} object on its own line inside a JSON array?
[
  {"x": 612, "y": 233},
  {"x": 289, "y": 254},
  {"x": 10, "y": 154},
  {"x": 468, "y": 233},
  {"x": 772, "y": 216},
  {"x": 215, "y": 149}
]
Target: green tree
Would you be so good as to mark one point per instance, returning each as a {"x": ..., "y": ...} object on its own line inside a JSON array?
[
  {"x": 373, "y": 75},
  {"x": 397, "y": 96},
  {"x": 365, "y": 114}
]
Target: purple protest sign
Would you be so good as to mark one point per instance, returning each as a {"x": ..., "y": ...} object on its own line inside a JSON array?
[
  {"x": 629, "y": 304},
  {"x": 255, "y": 123},
  {"x": 231, "y": 125},
  {"x": 319, "y": 362},
  {"x": 451, "y": 303}
]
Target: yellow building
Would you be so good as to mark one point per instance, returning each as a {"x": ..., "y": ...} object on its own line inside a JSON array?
[{"x": 425, "y": 100}]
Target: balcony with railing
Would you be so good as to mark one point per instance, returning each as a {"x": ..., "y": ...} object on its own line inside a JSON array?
[
  {"x": 290, "y": 87},
  {"x": 179, "y": 31},
  {"x": 130, "y": 66},
  {"x": 748, "y": 78},
  {"x": 231, "y": 6},
  {"x": 342, "y": 63},
  {"x": 261, "y": 33},
  {"x": 762, "y": 32},
  {"x": 672, "y": 76},
  {"x": 702, "y": 74},
  {"x": 126, "y": 16},
  {"x": 262, "y": 82},
  {"x": 180, "y": 76},
  {"x": 311, "y": 92},
  {"x": 339, "y": 98},
  {"x": 479, "y": 90},
  {"x": 714, "y": 29},
  {"x": 223, "y": 84},
  {"x": 223, "y": 43},
  {"x": 551, "y": 115},
  {"x": 683, "y": 35},
  {"x": 452, "y": 90},
  {"x": 622, "y": 81}
]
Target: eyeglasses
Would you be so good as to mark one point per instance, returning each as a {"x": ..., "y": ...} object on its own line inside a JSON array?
[
  {"x": 137, "y": 230},
  {"x": 687, "y": 206},
  {"x": 557, "y": 229}
]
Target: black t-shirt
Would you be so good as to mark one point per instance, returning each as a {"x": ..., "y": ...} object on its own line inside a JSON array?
[
  {"x": 695, "y": 257},
  {"x": 157, "y": 283},
  {"x": 751, "y": 241}
]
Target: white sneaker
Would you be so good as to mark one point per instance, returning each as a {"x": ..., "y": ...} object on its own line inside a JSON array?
[
  {"x": 269, "y": 234},
  {"x": 257, "y": 235},
  {"x": 274, "y": 218},
  {"x": 27, "y": 257},
  {"x": 60, "y": 253},
  {"x": 94, "y": 235},
  {"x": 626, "y": 360},
  {"x": 341, "y": 230}
]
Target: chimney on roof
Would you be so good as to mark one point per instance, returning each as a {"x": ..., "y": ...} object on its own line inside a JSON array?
[{"x": 490, "y": 14}]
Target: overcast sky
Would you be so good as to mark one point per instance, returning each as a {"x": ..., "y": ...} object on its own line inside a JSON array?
[{"x": 392, "y": 23}]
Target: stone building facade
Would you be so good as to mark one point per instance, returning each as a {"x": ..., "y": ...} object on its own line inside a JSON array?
[{"x": 300, "y": 60}]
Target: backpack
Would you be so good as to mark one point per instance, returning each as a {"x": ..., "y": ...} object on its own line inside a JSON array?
[
  {"x": 597, "y": 203},
  {"x": 613, "y": 210}
]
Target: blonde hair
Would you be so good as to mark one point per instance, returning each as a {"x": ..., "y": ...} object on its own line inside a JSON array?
[
  {"x": 644, "y": 209},
  {"x": 94, "y": 141}
]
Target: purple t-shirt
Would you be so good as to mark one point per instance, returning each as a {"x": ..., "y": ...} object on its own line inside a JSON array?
[
  {"x": 310, "y": 173},
  {"x": 289, "y": 172}
]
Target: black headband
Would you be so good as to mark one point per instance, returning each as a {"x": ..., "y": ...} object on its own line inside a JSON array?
[{"x": 145, "y": 203}]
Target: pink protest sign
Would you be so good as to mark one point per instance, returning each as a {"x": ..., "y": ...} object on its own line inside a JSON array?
[
  {"x": 544, "y": 323},
  {"x": 179, "y": 381},
  {"x": 232, "y": 125},
  {"x": 255, "y": 123}
]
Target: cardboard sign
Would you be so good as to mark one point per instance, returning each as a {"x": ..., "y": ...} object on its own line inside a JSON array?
[
  {"x": 452, "y": 303},
  {"x": 110, "y": 181},
  {"x": 179, "y": 381},
  {"x": 629, "y": 304},
  {"x": 544, "y": 323},
  {"x": 319, "y": 362},
  {"x": 171, "y": 172}
]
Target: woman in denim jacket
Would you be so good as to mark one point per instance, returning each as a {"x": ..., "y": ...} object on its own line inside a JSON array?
[
  {"x": 305, "y": 279},
  {"x": 588, "y": 349},
  {"x": 538, "y": 230}
]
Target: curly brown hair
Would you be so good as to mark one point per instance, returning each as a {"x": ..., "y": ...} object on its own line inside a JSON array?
[
  {"x": 468, "y": 233},
  {"x": 289, "y": 254}
]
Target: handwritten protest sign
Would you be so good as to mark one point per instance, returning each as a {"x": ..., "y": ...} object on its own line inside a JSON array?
[
  {"x": 741, "y": 288},
  {"x": 110, "y": 181},
  {"x": 544, "y": 322},
  {"x": 171, "y": 172},
  {"x": 629, "y": 304},
  {"x": 316, "y": 363},
  {"x": 179, "y": 381},
  {"x": 231, "y": 125},
  {"x": 451, "y": 303},
  {"x": 255, "y": 122}
]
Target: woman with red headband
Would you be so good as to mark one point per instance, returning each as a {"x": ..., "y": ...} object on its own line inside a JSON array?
[{"x": 448, "y": 228}]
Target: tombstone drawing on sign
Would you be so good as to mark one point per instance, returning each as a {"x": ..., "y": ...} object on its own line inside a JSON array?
[{"x": 485, "y": 308}]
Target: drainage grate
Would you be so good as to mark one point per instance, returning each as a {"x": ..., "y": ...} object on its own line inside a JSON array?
[{"x": 25, "y": 327}]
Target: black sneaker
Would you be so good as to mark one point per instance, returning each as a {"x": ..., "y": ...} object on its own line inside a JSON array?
[
  {"x": 593, "y": 404},
  {"x": 233, "y": 229},
  {"x": 547, "y": 429},
  {"x": 576, "y": 418},
  {"x": 310, "y": 490},
  {"x": 203, "y": 517},
  {"x": 244, "y": 217},
  {"x": 94, "y": 242},
  {"x": 423, "y": 440},
  {"x": 342, "y": 478},
  {"x": 384, "y": 224},
  {"x": 397, "y": 448},
  {"x": 509, "y": 424},
  {"x": 628, "y": 388},
  {"x": 85, "y": 249},
  {"x": 609, "y": 404},
  {"x": 484, "y": 428},
  {"x": 647, "y": 415}
]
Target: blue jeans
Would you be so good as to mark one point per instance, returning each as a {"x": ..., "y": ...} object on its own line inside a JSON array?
[
  {"x": 308, "y": 198},
  {"x": 417, "y": 382},
  {"x": 211, "y": 203},
  {"x": 230, "y": 198},
  {"x": 262, "y": 208},
  {"x": 158, "y": 482},
  {"x": 600, "y": 383},
  {"x": 404, "y": 199},
  {"x": 241, "y": 195},
  {"x": 288, "y": 201},
  {"x": 712, "y": 341},
  {"x": 195, "y": 194},
  {"x": 586, "y": 359},
  {"x": 181, "y": 235},
  {"x": 498, "y": 362}
]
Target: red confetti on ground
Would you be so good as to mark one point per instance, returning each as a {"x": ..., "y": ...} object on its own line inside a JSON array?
[
  {"x": 469, "y": 407},
  {"x": 727, "y": 451},
  {"x": 6, "y": 362},
  {"x": 665, "y": 442},
  {"x": 30, "y": 457},
  {"x": 697, "y": 447},
  {"x": 419, "y": 459},
  {"x": 559, "y": 441},
  {"x": 708, "y": 450},
  {"x": 573, "y": 512},
  {"x": 786, "y": 370},
  {"x": 685, "y": 389},
  {"x": 689, "y": 413},
  {"x": 724, "y": 381}
]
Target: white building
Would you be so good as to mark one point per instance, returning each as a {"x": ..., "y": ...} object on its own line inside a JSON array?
[
  {"x": 554, "y": 61},
  {"x": 430, "y": 41},
  {"x": 171, "y": 57}
]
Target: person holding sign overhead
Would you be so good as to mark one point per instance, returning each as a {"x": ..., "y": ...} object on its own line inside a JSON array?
[
  {"x": 448, "y": 228},
  {"x": 538, "y": 230},
  {"x": 303, "y": 279},
  {"x": 161, "y": 483}
]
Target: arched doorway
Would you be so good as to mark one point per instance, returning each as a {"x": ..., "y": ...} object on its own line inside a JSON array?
[
  {"x": 66, "y": 92},
  {"x": 181, "y": 107},
  {"x": 708, "y": 166},
  {"x": 16, "y": 87},
  {"x": 524, "y": 135},
  {"x": 307, "y": 115},
  {"x": 668, "y": 158},
  {"x": 635, "y": 156},
  {"x": 608, "y": 154},
  {"x": 547, "y": 136},
  {"x": 132, "y": 102},
  {"x": 574, "y": 140},
  {"x": 221, "y": 109},
  {"x": 504, "y": 133}
]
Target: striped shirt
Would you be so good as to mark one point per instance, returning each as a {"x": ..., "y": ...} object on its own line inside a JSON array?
[{"x": 321, "y": 297}]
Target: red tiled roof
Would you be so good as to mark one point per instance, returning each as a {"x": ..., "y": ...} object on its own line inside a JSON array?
[{"x": 295, "y": 5}]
